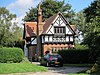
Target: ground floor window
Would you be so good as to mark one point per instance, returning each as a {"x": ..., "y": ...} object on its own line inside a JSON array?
[{"x": 56, "y": 49}]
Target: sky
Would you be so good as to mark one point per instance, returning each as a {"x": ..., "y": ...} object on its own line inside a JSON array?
[{"x": 20, "y": 7}]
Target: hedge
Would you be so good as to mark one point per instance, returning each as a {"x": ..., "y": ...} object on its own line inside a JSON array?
[
  {"x": 11, "y": 55},
  {"x": 77, "y": 56}
]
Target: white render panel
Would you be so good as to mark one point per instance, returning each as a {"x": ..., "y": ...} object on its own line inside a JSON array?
[
  {"x": 55, "y": 24},
  {"x": 71, "y": 38},
  {"x": 33, "y": 41},
  {"x": 67, "y": 38},
  {"x": 42, "y": 39},
  {"x": 50, "y": 38},
  {"x": 49, "y": 32},
  {"x": 46, "y": 38},
  {"x": 68, "y": 31},
  {"x": 63, "y": 24}
]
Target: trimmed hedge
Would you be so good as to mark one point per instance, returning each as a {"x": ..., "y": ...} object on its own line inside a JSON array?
[
  {"x": 11, "y": 55},
  {"x": 77, "y": 56}
]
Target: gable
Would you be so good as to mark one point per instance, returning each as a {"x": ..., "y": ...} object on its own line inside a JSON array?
[
  {"x": 30, "y": 29},
  {"x": 61, "y": 23}
]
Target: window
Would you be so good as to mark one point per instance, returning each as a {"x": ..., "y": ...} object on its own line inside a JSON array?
[
  {"x": 59, "y": 30},
  {"x": 54, "y": 50}
]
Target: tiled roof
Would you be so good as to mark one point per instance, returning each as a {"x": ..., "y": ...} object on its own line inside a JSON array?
[
  {"x": 74, "y": 29},
  {"x": 48, "y": 23},
  {"x": 30, "y": 29}
]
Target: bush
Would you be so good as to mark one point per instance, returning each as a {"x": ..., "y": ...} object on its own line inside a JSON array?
[
  {"x": 77, "y": 56},
  {"x": 11, "y": 55},
  {"x": 98, "y": 67},
  {"x": 82, "y": 47}
]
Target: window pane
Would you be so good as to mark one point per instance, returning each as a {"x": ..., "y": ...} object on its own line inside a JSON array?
[
  {"x": 63, "y": 30},
  {"x": 60, "y": 30},
  {"x": 54, "y": 30},
  {"x": 57, "y": 30}
]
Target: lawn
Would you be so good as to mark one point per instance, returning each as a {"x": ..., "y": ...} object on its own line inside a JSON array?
[{"x": 6, "y": 68}]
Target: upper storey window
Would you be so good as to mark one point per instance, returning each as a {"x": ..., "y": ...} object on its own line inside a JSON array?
[{"x": 59, "y": 30}]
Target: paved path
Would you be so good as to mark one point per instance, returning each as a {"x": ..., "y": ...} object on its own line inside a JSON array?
[{"x": 56, "y": 70}]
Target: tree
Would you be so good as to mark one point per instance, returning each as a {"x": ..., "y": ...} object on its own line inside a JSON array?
[
  {"x": 92, "y": 37},
  {"x": 92, "y": 14},
  {"x": 49, "y": 8},
  {"x": 10, "y": 33}
]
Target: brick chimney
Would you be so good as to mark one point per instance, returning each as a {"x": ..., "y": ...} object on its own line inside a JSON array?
[
  {"x": 40, "y": 23},
  {"x": 39, "y": 30},
  {"x": 39, "y": 14}
]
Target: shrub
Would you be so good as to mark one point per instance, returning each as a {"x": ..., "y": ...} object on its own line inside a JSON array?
[
  {"x": 11, "y": 55},
  {"x": 82, "y": 47},
  {"x": 77, "y": 56},
  {"x": 98, "y": 67}
]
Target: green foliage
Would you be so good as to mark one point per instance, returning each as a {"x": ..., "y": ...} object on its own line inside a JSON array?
[
  {"x": 25, "y": 60},
  {"x": 81, "y": 47},
  {"x": 7, "y": 68},
  {"x": 92, "y": 11},
  {"x": 77, "y": 56},
  {"x": 92, "y": 38},
  {"x": 10, "y": 33},
  {"x": 11, "y": 55},
  {"x": 98, "y": 67},
  {"x": 49, "y": 8},
  {"x": 80, "y": 22},
  {"x": 92, "y": 14}
]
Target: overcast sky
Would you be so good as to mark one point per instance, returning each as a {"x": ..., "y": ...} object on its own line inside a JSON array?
[{"x": 20, "y": 7}]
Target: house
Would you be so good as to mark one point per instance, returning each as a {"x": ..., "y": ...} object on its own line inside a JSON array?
[{"x": 54, "y": 34}]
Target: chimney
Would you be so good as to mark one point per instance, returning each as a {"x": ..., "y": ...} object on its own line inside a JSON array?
[
  {"x": 39, "y": 28},
  {"x": 40, "y": 23},
  {"x": 39, "y": 14}
]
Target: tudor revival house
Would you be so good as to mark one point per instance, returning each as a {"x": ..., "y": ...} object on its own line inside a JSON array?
[{"x": 54, "y": 34}]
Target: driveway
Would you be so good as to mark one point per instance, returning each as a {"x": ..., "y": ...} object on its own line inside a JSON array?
[{"x": 60, "y": 70}]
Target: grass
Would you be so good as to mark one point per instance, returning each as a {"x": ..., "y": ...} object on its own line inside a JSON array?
[
  {"x": 79, "y": 65},
  {"x": 7, "y": 68}
]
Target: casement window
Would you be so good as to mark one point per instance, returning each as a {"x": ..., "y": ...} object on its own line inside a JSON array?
[{"x": 59, "y": 30}]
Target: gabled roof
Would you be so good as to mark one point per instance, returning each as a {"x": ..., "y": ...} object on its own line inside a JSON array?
[
  {"x": 30, "y": 29},
  {"x": 48, "y": 23},
  {"x": 51, "y": 19}
]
